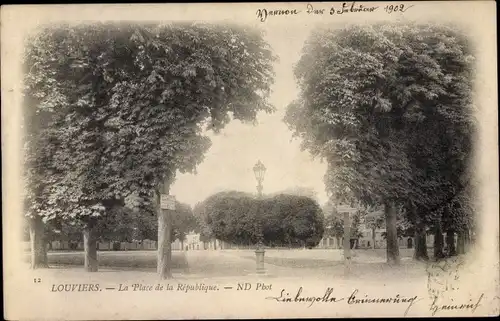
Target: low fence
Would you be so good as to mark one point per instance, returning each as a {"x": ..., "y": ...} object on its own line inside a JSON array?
[
  {"x": 380, "y": 243},
  {"x": 150, "y": 245},
  {"x": 361, "y": 243},
  {"x": 145, "y": 245},
  {"x": 105, "y": 246}
]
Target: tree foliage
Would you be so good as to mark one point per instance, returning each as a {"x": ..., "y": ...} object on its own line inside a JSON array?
[
  {"x": 334, "y": 223},
  {"x": 122, "y": 224},
  {"x": 390, "y": 108},
  {"x": 285, "y": 220},
  {"x": 113, "y": 109},
  {"x": 202, "y": 226}
]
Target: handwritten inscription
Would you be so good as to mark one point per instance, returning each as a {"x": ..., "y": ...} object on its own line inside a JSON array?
[
  {"x": 397, "y": 8},
  {"x": 344, "y": 8},
  {"x": 299, "y": 297},
  {"x": 262, "y": 14},
  {"x": 397, "y": 299},
  {"x": 353, "y": 299},
  {"x": 443, "y": 284},
  {"x": 352, "y": 8},
  {"x": 311, "y": 10},
  {"x": 440, "y": 304},
  {"x": 452, "y": 305}
]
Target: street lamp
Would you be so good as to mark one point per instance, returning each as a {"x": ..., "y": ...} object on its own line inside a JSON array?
[
  {"x": 259, "y": 170},
  {"x": 328, "y": 234}
]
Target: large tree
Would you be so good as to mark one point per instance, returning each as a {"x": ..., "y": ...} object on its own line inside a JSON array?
[
  {"x": 364, "y": 92},
  {"x": 438, "y": 80},
  {"x": 202, "y": 227},
  {"x": 334, "y": 227},
  {"x": 183, "y": 222},
  {"x": 128, "y": 225},
  {"x": 233, "y": 217},
  {"x": 128, "y": 107},
  {"x": 283, "y": 220},
  {"x": 300, "y": 217}
]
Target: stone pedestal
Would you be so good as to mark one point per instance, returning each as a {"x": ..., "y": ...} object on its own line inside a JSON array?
[{"x": 259, "y": 259}]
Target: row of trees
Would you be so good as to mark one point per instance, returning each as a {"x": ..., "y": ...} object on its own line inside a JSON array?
[
  {"x": 122, "y": 224},
  {"x": 113, "y": 111},
  {"x": 390, "y": 108},
  {"x": 281, "y": 220}
]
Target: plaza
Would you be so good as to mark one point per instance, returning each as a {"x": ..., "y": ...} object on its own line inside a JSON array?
[{"x": 235, "y": 263}]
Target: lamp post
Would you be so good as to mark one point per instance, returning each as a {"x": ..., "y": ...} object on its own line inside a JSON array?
[
  {"x": 259, "y": 170},
  {"x": 328, "y": 233},
  {"x": 347, "y": 210}
]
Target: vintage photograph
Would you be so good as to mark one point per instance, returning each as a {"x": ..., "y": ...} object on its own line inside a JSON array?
[{"x": 306, "y": 160}]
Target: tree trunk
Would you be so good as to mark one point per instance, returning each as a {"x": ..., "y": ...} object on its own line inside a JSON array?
[
  {"x": 420, "y": 253},
  {"x": 461, "y": 242},
  {"x": 164, "y": 244},
  {"x": 338, "y": 242},
  {"x": 182, "y": 245},
  {"x": 164, "y": 253},
  {"x": 37, "y": 244},
  {"x": 373, "y": 237},
  {"x": 392, "y": 234},
  {"x": 347, "y": 237},
  {"x": 450, "y": 242},
  {"x": 90, "y": 248},
  {"x": 467, "y": 239},
  {"x": 438, "y": 242}
]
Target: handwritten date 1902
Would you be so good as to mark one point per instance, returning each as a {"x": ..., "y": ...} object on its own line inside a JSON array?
[{"x": 396, "y": 8}]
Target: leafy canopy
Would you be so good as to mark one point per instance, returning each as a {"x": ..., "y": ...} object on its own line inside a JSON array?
[
  {"x": 284, "y": 220},
  {"x": 390, "y": 108},
  {"x": 120, "y": 107}
]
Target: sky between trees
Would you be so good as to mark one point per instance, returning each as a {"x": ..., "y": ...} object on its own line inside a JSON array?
[{"x": 228, "y": 164}]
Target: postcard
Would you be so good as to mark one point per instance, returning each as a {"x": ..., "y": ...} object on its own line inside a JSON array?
[{"x": 250, "y": 160}]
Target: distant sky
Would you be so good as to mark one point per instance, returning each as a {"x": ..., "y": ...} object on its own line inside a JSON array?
[{"x": 228, "y": 164}]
